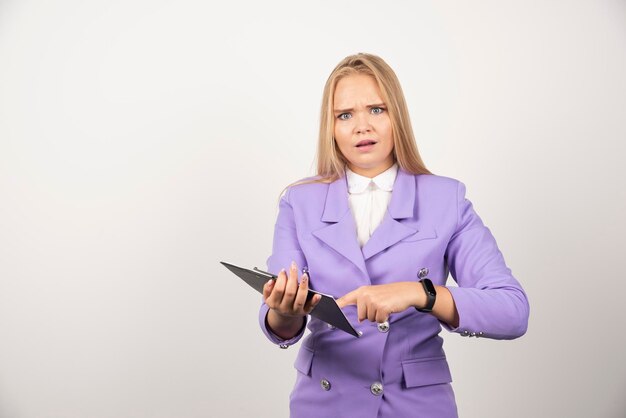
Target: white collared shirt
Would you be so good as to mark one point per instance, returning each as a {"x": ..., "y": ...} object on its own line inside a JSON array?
[{"x": 368, "y": 199}]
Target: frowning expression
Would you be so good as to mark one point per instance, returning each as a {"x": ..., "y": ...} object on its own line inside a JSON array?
[{"x": 362, "y": 125}]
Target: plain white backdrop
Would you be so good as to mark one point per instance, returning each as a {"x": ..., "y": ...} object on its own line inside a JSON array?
[{"x": 141, "y": 142}]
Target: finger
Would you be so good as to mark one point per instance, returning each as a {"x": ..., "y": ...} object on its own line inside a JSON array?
[
  {"x": 267, "y": 289},
  {"x": 347, "y": 299},
  {"x": 371, "y": 313},
  {"x": 381, "y": 316},
  {"x": 361, "y": 309},
  {"x": 303, "y": 290},
  {"x": 312, "y": 303},
  {"x": 291, "y": 287},
  {"x": 277, "y": 290}
]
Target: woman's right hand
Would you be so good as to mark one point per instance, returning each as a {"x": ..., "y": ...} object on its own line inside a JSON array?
[{"x": 286, "y": 299}]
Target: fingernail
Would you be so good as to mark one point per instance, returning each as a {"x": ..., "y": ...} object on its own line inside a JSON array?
[
  {"x": 270, "y": 282},
  {"x": 282, "y": 271},
  {"x": 305, "y": 277},
  {"x": 293, "y": 265}
]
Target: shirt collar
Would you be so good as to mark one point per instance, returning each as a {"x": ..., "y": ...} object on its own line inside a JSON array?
[{"x": 384, "y": 181}]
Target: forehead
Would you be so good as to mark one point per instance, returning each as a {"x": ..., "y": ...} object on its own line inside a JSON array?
[{"x": 358, "y": 89}]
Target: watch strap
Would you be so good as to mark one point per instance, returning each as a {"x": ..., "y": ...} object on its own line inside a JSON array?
[{"x": 431, "y": 295}]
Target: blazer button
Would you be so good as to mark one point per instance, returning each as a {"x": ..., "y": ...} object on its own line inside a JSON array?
[
  {"x": 376, "y": 388},
  {"x": 465, "y": 333},
  {"x": 423, "y": 272},
  {"x": 383, "y": 326},
  {"x": 473, "y": 334},
  {"x": 480, "y": 334},
  {"x": 283, "y": 346},
  {"x": 325, "y": 384},
  {"x": 330, "y": 326}
]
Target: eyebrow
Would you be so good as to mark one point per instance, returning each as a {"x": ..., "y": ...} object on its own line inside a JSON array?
[{"x": 351, "y": 109}]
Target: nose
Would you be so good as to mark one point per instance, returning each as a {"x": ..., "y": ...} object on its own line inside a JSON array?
[{"x": 362, "y": 124}]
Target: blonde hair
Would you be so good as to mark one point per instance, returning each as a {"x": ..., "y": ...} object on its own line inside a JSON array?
[{"x": 330, "y": 161}]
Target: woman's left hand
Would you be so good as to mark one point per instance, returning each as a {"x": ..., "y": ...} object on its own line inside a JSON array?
[{"x": 377, "y": 302}]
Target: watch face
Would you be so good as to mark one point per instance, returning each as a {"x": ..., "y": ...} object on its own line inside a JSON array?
[{"x": 430, "y": 288}]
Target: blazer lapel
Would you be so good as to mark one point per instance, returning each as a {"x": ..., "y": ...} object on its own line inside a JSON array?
[
  {"x": 401, "y": 206},
  {"x": 340, "y": 234}
]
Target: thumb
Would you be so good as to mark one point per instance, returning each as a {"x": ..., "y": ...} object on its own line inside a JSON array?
[{"x": 347, "y": 299}]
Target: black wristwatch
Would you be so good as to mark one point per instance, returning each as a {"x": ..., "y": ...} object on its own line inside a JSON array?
[{"x": 431, "y": 295}]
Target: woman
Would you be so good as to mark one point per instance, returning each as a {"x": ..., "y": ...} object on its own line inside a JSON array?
[{"x": 376, "y": 230}]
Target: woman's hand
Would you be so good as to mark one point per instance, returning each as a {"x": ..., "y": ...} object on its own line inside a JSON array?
[
  {"x": 377, "y": 302},
  {"x": 286, "y": 299}
]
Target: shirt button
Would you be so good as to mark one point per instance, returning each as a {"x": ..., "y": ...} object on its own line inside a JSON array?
[
  {"x": 383, "y": 326},
  {"x": 325, "y": 384},
  {"x": 376, "y": 388},
  {"x": 283, "y": 346}
]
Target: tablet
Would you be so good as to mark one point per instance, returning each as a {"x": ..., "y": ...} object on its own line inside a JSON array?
[{"x": 326, "y": 310}]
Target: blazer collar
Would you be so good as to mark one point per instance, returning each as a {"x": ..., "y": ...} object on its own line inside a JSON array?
[
  {"x": 341, "y": 233},
  {"x": 336, "y": 204},
  {"x": 391, "y": 229},
  {"x": 400, "y": 207},
  {"x": 403, "y": 196}
]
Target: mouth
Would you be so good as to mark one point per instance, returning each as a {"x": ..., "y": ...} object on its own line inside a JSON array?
[{"x": 365, "y": 143}]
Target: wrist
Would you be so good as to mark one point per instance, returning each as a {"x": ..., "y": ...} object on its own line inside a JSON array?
[
  {"x": 283, "y": 326},
  {"x": 418, "y": 294},
  {"x": 430, "y": 295}
]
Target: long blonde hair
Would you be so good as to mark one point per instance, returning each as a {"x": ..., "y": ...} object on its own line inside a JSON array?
[{"x": 330, "y": 161}]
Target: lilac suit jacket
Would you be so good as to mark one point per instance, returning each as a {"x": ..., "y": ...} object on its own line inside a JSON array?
[{"x": 399, "y": 370}]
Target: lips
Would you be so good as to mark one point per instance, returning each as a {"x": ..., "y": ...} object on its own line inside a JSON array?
[{"x": 365, "y": 143}]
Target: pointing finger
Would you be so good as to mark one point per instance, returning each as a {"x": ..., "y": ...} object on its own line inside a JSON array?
[{"x": 347, "y": 299}]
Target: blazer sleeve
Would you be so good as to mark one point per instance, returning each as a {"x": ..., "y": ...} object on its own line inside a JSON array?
[
  {"x": 285, "y": 249},
  {"x": 490, "y": 301}
]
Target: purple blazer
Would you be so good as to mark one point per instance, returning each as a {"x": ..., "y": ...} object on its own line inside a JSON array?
[{"x": 398, "y": 368}]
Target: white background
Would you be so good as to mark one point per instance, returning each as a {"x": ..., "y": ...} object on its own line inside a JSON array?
[{"x": 141, "y": 142}]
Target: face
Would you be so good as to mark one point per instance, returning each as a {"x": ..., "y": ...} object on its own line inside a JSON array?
[{"x": 362, "y": 125}]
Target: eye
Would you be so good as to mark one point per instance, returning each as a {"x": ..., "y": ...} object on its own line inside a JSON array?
[
  {"x": 344, "y": 116},
  {"x": 377, "y": 110}
]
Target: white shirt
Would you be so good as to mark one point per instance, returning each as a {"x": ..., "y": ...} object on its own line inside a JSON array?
[{"x": 368, "y": 199}]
